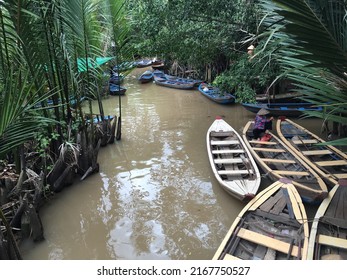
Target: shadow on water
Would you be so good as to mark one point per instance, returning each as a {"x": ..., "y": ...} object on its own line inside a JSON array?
[{"x": 155, "y": 196}]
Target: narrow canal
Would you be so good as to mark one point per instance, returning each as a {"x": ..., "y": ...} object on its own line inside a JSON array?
[{"x": 155, "y": 196}]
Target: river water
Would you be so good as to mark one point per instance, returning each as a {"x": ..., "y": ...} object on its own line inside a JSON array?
[{"x": 155, "y": 196}]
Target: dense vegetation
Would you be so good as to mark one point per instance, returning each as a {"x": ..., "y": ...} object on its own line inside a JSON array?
[
  {"x": 45, "y": 44},
  {"x": 302, "y": 40}
]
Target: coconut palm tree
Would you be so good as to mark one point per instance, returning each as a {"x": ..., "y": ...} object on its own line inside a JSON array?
[{"x": 312, "y": 41}]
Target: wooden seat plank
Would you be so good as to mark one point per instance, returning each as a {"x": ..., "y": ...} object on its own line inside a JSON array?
[
  {"x": 226, "y": 142},
  {"x": 221, "y": 133},
  {"x": 317, "y": 152},
  {"x": 262, "y": 142},
  {"x": 305, "y": 141},
  {"x": 289, "y": 172},
  {"x": 331, "y": 163},
  {"x": 332, "y": 241},
  {"x": 341, "y": 176},
  {"x": 228, "y": 160},
  {"x": 234, "y": 172},
  {"x": 272, "y": 160},
  {"x": 268, "y": 150},
  {"x": 237, "y": 151},
  {"x": 267, "y": 241},
  {"x": 230, "y": 257}
]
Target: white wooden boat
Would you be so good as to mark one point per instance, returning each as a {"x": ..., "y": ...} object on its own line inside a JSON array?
[
  {"x": 328, "y": 161},
  {"x": 278, "y": 161},
  {"x": 328, "y": 237},
  {"x": 231, "y": 161},
  {"x": 272, "y": 226}
]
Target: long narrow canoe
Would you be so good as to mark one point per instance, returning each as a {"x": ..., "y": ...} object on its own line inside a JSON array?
[
  {"x": 277, "y": 160},
  {"x": 328, "y": 237},
  {"x": 328, "y": 161},
  {"x": 282, "y": 109},
  {"x": 231, "y": 161},
  {"x": 215, "y": 94},
  {"x": 146, "y": 77},
  {"x": 272, "y": 226}
]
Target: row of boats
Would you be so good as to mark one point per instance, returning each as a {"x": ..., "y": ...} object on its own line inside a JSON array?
[
  {"x": 215, "y": 94},
  {"x": 274, "y": 224}
]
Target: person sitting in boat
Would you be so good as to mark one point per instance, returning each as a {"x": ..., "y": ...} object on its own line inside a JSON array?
[{"x": 262, "y": 123}]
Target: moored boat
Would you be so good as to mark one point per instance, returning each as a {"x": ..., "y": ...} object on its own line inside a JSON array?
[
  {"x": 283, "y": 109},
  {"x": 146, "y": 77},
  {"x": 277, "y": 160},
  {"x": 143, "y": 63},
  {"x": 231, "y": 161},
  {"x": 116, "y": 79},
  {"x": 117, "y": 89},
  {"x": 328, "y": 161},
  {"x": 162, "y": 79},
  {"x": 272, "y": 226},
  {"x": 328, "y": 236},
  {"x": 215, "y": 94}
]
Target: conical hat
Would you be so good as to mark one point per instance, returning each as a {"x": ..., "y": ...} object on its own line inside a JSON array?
[{"x": 263, "y": 112}]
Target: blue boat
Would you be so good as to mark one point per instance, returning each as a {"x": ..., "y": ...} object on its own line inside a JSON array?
[
  {"x": 215, "y": 94},
  {"x": 162, "y": 79},
  {"x": 146, "y": 77},
  {"x": 116, "y": 78},
  {"x": 117, "y": 89},
  {"x": 283, "y": 109}
]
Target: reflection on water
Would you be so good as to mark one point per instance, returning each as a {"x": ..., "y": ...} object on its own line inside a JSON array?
[{"x": 155, "y": 196}]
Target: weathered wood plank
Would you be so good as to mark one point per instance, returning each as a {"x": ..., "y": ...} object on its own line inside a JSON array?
[
  {"x": 272, "y": 243},
  {"x": 272, "y": 160},
  {"x": 234, "y": 172},
  {"x": 228, "y": 160},
  {"x": 332, "y": 162},
  {"x": 278, "y": 207},
  {"x": 237, "y": 151},
  {"x": 289, "y": 172},
  {"x": 230, "y": 257},
  {"x": 305, "y": 141},
  {"x": 268, "y": 150},
  {"x": 317, "y": 152},
  {"x": 221, "y": 133},
  {"x": 332, "y": 241},
  {"x": 262, "y": 142},
  {"x": 226, "y": 142}
]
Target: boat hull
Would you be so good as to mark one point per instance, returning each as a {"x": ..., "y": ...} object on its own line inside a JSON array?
[
  {"x": 231, "y": 161},
  {"x": 272, "y": 226}
]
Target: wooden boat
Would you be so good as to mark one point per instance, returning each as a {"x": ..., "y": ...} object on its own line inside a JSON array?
[
  {"x": 328, "y": 237},
  {"x": 184, "y": 80},
  {"x": 329, "y": 162},
  {"x": 277, "y": 160},
  {"x": 117, "y": 89},
  {"x": 282, "y": 109},
  {"x": 215, "y": 94},
  {"x": 143, "y": 63},
  {"x": 289, "y": 97},
  {"x": 159, "y": 66},
  {"x": 146, "y": 77},
  {"x": 272, "y": 226},
  {"x": 231, "y": 161},
  {"x": 116, "y": 79},
  {"x": 162, "y": 79}
]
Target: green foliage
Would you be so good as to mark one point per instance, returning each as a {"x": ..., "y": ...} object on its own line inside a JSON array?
[
  {"x": 193, "y": 32},
  {"x": 248, "y": 76},
  {"x": 312, "y": 51}
]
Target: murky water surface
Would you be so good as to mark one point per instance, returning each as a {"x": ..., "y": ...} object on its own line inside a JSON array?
[{"x": 155, "y": 196}]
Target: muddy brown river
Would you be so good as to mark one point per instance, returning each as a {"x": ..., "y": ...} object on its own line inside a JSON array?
[{"x": 155, "y": 196}]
